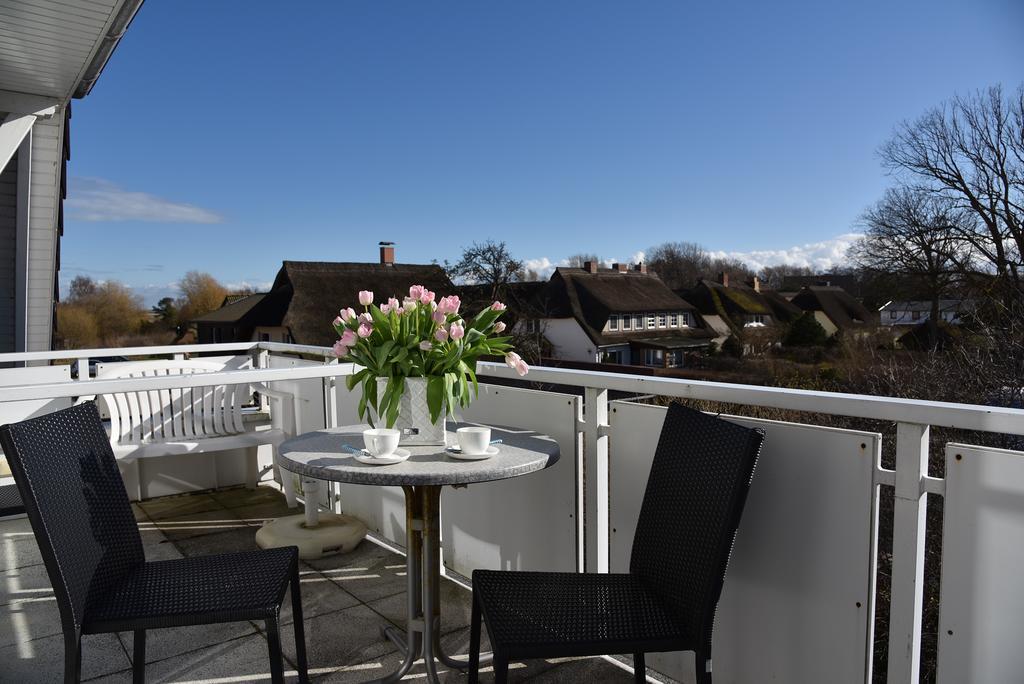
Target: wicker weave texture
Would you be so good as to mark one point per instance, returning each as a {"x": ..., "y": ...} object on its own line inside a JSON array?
[
  {"x": 249, "y": 585},
  {"x": 75, "y": 494},
  {"x": 695, "y": 494},
  {"x": 535, "y": 608}
]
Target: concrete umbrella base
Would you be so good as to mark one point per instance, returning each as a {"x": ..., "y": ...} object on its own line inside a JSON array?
[{"x": 332, "y": 534}]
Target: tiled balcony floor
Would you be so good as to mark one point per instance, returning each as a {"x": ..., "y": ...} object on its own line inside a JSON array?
[{"x": 346, "y": 600}]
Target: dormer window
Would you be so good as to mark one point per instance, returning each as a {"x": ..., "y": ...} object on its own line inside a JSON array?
[
  {"x": 651, "y": 320},
  {"x": 673, "y": 320},
  {"x": 638, "y": 322},
  {"x": 627, "y": 322},
  {"x": 613, "y": 322},
  {"x": 684, "y": 320},
  {"x": 662, "y": 320}
]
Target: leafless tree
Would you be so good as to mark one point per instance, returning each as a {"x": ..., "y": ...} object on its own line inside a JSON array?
[
  {"x": 679, "y": 264},
  {"x": 577, "y": 260},
  {"x": 970, "y": 151},
  {"x": 917, "y": 236},
  {"x": 487, "y": 263},
  {"x": 773, "y": 276}
]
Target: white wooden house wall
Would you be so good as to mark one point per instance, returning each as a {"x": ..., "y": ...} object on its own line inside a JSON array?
[
  {"x": 29, "y": 205},
  {"x": 8, "y": 233},
  {"x": 47, "y": 147}
]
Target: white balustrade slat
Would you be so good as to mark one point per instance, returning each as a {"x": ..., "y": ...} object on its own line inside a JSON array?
[{"x": 980, "y": 616}]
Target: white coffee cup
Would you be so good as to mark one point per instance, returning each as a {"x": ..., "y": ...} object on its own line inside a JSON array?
[
  {"x": 474, "y": 440},
  {"x": 381, "y": 441}
]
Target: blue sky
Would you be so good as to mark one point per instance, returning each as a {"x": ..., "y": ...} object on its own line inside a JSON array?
[{"x": 227, "y": 136}]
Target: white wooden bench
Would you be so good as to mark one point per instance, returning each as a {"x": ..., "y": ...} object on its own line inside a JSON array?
[{"x": 188, "y": 420}]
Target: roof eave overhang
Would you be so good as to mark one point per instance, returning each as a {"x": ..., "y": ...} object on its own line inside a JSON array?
[{"x": 107, "y": 45}]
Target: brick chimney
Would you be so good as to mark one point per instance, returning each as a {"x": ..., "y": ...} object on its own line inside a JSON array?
[
  {"x": 387, "y": 253},
  {"x": 756, "y": 284},
  {"x": 621, "y": 268},
  {"x": 723, "y": 278},
  {"x": 590, "y": 266},
  {"x": 640, "y": 267}
]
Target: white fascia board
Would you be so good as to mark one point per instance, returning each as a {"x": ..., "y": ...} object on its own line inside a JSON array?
[{"x": 12, "y": 132}]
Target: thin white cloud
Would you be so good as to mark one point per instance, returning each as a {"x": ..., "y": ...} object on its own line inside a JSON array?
[
  {"x": 96, "y": 199},
  {"x": 820, "y": 256},
  {"x": 254, "y": 285}
]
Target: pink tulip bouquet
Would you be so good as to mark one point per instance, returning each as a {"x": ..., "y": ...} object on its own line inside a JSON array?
[{"x": 421, "y": 336}]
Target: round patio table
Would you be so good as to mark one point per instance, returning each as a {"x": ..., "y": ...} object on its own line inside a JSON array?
[{"x": 326, "y": 455}]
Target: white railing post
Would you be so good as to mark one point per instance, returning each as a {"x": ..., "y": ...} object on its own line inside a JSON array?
[
  {"x": 908, "y": 537},
  {"x": 595, "y": 473}
]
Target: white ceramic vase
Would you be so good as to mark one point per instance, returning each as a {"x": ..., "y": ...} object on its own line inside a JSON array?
[{"x": 414, "y": 415}]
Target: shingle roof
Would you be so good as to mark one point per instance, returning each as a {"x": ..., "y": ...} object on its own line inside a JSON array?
[
  {"x": 840, "y": 307},
  {"x": 307, "y": 295}
]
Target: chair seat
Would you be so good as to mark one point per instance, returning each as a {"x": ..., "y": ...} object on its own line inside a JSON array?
[
  {"x": 577, "y": 614},
  {"x": 199, "y": 445},
  {"x": 249, "y": 585}
]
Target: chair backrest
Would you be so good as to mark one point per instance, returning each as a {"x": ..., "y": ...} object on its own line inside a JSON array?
[
  {"x": 178, "y": 414},
  {"x": 76, "y": 501},
  {"x": 691, "y": 510}
]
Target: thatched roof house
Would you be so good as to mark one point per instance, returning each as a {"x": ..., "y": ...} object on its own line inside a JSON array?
[{"x": 306, "y": 296}]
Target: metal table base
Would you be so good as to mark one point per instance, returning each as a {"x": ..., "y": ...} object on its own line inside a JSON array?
[{"x": 422, "y": 636}]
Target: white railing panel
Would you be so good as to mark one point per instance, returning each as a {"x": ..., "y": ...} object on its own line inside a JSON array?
[
  {"x": 14, "y": 411},
  {"x": 981, "y": 618},
  {"x": 524, "y": 523},
  {"x": 382, "y": 509},
  {"x": 798, "y": 599},
  {"x": 307, "y": 412}
]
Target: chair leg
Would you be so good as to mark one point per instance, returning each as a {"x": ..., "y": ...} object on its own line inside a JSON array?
[
  {"x": 300, "y": 631},
  {"x": 702, "y": 663},
  {"x": 139, "y": 657},
  {"x": 474, "y": 643},
  {"x": 639, "y": 668},
  {"x": 274, "y": 646},
  {"x": 500, "y": 668},
  {"x": 72, "y": 657}
]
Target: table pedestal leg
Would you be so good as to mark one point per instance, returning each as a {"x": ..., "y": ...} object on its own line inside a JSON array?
[{"x": 423, "y": 586}]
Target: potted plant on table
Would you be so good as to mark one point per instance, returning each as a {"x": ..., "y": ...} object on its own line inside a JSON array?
[{"x": 418, "y": 359}]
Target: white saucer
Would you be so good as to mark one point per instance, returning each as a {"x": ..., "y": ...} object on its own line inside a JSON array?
[
  {"x": 368, "y": 458},
  {"x": 456, "y": 452}
]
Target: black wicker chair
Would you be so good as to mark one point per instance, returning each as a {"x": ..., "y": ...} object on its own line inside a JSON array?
[
  {"x": 90, "y": 543},
  {"x": 691, "y": 509}
]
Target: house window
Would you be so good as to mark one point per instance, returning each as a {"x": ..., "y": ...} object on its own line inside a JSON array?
[
  {"x": 654, "y": 357},
  {"x": 627, "y": 322},
  {"x": 611, "y": 356},
  {"x": 613, "y": 322},
  {"x": 217, "y": 335},
  {"x": 264, "y": 337},
  {"x": 532, "y": 325},
  {"x": 651, "y": 320},
  {"x": 662, "y": 320},
  {"x": 684, "y": 320},
  {"x": 755, "y": 318},
  {"x": 915, "y": 315},
  {"x": 673, "y": 320},
  {"x": 892, "y": 315},
  {"x": 638, "y": 322}
]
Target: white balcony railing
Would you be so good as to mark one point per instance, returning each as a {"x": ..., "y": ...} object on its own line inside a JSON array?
[{"x": 799, "y": 602}]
